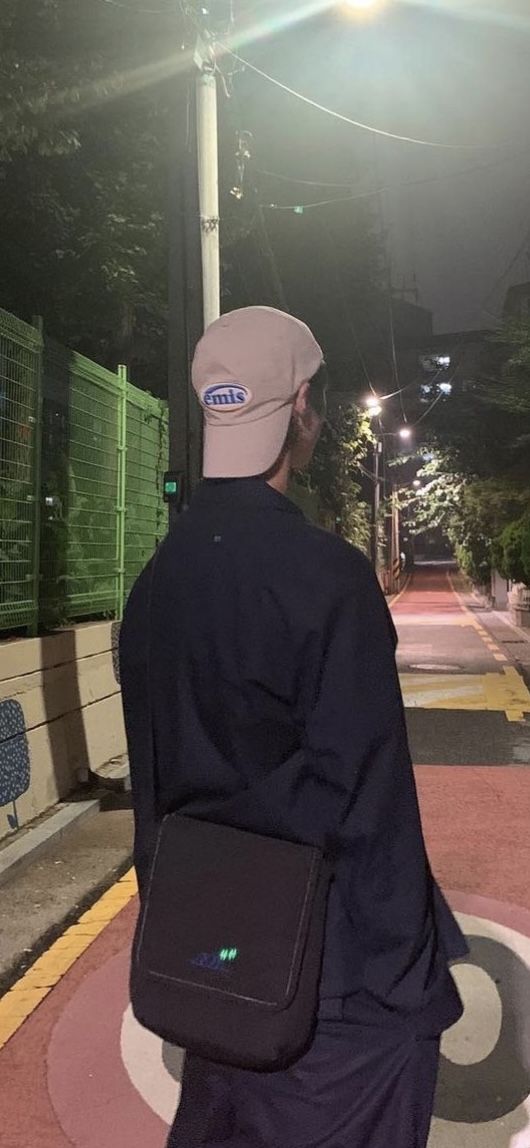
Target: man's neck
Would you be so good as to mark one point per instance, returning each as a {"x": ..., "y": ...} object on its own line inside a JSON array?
[{"x": 281, "y": 477}]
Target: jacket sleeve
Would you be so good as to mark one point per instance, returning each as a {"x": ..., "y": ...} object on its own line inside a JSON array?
[{"x": 359, "y": 770}]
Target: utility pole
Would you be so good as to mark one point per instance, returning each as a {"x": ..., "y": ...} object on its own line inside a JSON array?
[
  {"x": 194, "y": 266},
  {"x": 185, "y": 308},
  {"x": 208, "y": 176},
  {"x": 395, "y": 548},
  {"x": 376, "y": 502}
]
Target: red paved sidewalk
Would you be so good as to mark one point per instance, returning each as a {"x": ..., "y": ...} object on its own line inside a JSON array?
[
  {"x": 428, "y": 592},
  {"x": 64, "y": 1081}
]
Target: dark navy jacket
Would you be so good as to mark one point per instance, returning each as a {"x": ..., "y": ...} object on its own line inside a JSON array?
[{"x": 276, "y": 707}]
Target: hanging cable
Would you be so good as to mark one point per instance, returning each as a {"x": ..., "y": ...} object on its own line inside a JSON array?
[
  {"x": 133, "y": 11},
  {"x": 305, "y": 182},
  {"x": 347, "y": 119},
  {"x": 429, "y": 409},
  {"x": 391, "y": 187}
]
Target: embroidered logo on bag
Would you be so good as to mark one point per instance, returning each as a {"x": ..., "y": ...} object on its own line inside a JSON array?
[
  {"x": 216, "y": 962},
  {"x": 226, "y": 396}
]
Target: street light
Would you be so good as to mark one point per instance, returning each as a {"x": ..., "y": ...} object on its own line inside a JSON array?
[
  {"x": 405, "y": 433},
  {"x": 361, "y": 5},
  {"x": 360, "y": 9},
  {"x": 373, "y": 406}
]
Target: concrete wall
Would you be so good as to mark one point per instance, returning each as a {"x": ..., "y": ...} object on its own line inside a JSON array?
[{"x": 60, "y": 715}]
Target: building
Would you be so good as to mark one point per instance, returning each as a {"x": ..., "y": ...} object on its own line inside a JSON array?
[{"x": 517, "y": 302}]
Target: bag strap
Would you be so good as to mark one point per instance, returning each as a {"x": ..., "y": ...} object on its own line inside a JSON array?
[{"x": 146, "y": 786}]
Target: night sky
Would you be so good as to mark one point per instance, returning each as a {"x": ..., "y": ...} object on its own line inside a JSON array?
[{"x": 444, "y": 71}]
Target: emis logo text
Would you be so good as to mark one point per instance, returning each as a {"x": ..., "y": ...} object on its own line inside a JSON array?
[{"x": 228, "y": 396}]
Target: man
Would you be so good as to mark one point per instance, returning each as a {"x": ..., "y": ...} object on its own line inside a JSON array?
[{"x": 277, "y": 709}]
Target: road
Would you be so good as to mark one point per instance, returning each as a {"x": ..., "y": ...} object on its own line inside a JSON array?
[{"x": 77, "y": 1070}]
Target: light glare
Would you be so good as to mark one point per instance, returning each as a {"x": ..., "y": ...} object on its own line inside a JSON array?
[
  {"x": 373, "y": 404},
  {"x": 360, "y": 6}
]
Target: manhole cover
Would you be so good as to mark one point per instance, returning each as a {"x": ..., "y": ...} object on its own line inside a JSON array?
[{"x": 439, "y": 667}]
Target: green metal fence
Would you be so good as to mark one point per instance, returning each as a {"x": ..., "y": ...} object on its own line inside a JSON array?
[
  {"x": 82, "y": 414},
  {"x": 100, "y": 458},
  {"x": 146, "y": 461},
  {"x": 20, "y": 360}
]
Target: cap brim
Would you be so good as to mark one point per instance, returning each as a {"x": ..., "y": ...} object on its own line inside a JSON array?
[{"x": 245, "y": 450}]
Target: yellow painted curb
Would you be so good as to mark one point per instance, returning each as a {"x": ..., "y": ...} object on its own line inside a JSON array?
[
  {"x": 28, "y": 993},
  {"x": 487, "y": 638}
]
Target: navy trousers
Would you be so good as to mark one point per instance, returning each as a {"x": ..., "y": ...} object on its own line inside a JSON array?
[{"x": 358, "y": 1087}]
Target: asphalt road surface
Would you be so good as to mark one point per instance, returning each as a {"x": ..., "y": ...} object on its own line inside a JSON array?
[{"x": 76, "y": 1070}]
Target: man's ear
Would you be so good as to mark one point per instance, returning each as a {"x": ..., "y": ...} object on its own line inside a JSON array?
[{"x": 301, "y": 402}]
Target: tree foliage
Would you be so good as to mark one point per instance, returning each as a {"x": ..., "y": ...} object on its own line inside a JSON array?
[
  {"x": 89, "y": 102},
  {"x": 512, "y": 550},
  {"x": 478, "y": 483},
  {"x": 335, "y": 472},
  {"x": 84, "y": 135}
]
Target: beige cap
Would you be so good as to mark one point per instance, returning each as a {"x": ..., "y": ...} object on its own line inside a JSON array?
[{"x": 248, "y": 368}]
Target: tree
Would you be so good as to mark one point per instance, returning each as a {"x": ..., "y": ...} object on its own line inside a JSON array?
[
  {"x": 88, "y": 102},
  {"x": 478, "y": 482},
  {"x": 512, "y": 551},
  {"x": 335, "y": 472},
  {"x": 84, "y": 102}
]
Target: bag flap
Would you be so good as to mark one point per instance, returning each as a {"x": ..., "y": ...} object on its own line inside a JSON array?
[{"x": 228, "y": 911}]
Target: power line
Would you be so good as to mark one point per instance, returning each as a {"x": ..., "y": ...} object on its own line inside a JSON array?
[
  {"x": 415, "y": 383},
  {"x": 133, "y": 11},
  {"x": 369, "y": 193},
  {"x": 366, "y": 472},
  {"x": 305, "y": 182},
  {"x": 429, "y": 409},
  {"x": 347, "y": 119},
  {"x": 323, "y": 202}
]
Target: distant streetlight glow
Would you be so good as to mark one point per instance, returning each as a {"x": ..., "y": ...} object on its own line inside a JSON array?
[
  {"x": 405, "y": 433},
  {"x": 417, "y": 483},
  {"x": 373, "y": 405}
]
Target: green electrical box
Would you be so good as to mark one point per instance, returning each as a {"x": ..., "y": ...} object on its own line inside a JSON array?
[{"x": 173, "y": 486}]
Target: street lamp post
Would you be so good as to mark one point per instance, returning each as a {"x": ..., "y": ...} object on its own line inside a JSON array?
[
  {"x": 395, "y": 543},
  {"x": 376, "y": 502}
]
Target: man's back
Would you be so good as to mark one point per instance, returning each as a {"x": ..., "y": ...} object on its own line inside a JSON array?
[{"x": 276, "y": 708}]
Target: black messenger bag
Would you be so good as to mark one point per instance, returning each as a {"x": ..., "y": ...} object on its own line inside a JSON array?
[{"x": 228, "y": 949}]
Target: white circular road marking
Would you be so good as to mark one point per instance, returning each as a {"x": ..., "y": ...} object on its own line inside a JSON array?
[{"x": 144, "y": 1059}]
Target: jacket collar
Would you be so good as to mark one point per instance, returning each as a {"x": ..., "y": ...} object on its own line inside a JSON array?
[{"x": 248, "y": 492}]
